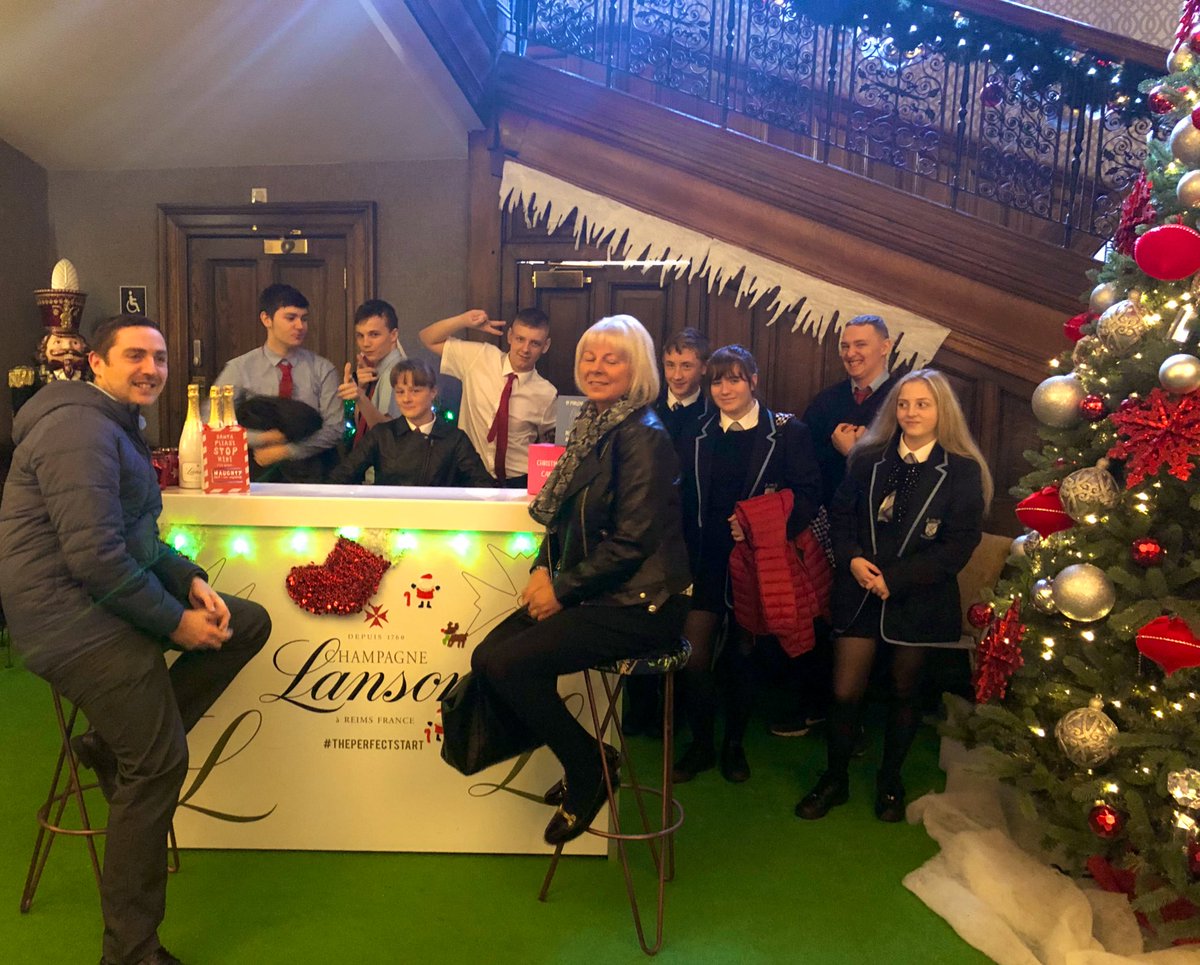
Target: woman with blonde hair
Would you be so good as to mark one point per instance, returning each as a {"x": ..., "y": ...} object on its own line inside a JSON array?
[
  {"x": 609, "y": 578},
  {"x": 904, "y": 521}
]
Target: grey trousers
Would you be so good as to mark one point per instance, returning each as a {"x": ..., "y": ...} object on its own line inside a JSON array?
[{"x": 143, "y": 712}]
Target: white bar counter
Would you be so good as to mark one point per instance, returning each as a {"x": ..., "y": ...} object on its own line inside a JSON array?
[{"x": 330, "y": 738}]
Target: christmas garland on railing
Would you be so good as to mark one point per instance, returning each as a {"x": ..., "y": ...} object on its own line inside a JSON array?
[{"x": 1085, "y": 76}]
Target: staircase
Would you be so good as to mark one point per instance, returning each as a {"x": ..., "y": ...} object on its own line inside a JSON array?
[{"x": 962, "y": 162}]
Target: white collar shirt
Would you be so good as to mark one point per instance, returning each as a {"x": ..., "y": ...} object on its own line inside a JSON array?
[
  {"x": 919, "y": 455},
  {"x": 483, "y": 370},
  {"x": 747, "y": 422},
  {"x": 674, "y": 402}
]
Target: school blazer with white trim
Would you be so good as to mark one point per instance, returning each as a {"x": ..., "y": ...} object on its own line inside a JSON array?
[{"x": 944, "y": 525}]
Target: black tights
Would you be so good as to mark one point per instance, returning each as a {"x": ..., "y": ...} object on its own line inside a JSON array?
[
  {"x": 699, "y": 690},
  {"x": 853, "y": 658}
]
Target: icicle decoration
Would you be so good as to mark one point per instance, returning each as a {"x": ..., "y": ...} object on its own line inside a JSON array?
[{"x": 820, "y": 305}]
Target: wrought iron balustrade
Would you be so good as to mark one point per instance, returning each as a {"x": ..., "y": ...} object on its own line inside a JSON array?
[{"x": 990, "y": 112}]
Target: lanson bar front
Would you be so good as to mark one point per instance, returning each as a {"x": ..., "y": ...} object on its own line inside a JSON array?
[{"x": 330, "y": 738}]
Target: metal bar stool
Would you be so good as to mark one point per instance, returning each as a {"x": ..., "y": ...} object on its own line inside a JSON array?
[
  {"x": 670, "y": 811},
  {"x": 66, "y": 786}
]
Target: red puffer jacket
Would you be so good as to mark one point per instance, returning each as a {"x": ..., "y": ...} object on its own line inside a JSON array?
[{"x": 779, "y": 586}]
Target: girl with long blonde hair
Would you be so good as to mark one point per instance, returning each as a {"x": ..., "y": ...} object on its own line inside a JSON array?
[{"x": 904, "y": 522}]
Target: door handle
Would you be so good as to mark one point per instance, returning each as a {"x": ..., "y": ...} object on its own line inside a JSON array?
[{"x": 196, "y": 352}]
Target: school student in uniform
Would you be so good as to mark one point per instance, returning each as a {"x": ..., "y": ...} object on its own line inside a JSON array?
[
  {"x": 742, "y": 449},
  {"x": 416, "y": 449},
  {"x": 905, "y": 520}
]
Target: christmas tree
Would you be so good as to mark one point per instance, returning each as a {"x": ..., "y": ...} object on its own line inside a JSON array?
[{"x": 1086, "y": 678}]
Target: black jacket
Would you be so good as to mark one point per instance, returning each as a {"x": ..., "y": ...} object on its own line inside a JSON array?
[
  {"x": 782, "y": 459},
  {"x": 80, "y": 558},
  {"x": 944, "y": 527},
  {"x": 616, "y": 539},
  {"x": 828, "y": 409},
  {"x": 404, "y": 457}
]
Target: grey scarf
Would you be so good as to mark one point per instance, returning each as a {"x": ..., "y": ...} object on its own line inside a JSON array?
[{"x": 589, "y": 426}]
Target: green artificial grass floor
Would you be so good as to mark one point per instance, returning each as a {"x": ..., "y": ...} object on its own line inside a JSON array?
[{"x": 754, "y": 884}]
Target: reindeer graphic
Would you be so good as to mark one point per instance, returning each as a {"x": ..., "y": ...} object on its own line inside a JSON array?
[{"x": 452, "y": 636}]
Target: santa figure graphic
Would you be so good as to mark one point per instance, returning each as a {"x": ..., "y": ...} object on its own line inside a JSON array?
[{"x": 425, "y": 589}]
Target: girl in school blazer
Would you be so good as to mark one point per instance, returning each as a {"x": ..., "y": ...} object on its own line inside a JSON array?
[
  {"x": 904, "y": 521},
  {"x": 739, "y": 450}
]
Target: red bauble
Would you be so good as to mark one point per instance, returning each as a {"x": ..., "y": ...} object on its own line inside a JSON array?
[
  {"x": 1159, "y": 101},
  {"x": 1168, "y": 252},
  {"x": 1147, "y": 552},
  {"x": 979, "y": 615},
  {"x": 992, "y": 94},
  {"x": 1194, "y": 42},
  {"x": 1044, "y": 512},
  {"x": 1193, "y": 858},
  {"x": 1106, "y": 821},
  {"x": 1092, "y": 408},
  {"x": 1072, "y": 327},
  {"x": 1170, "y": 643}
]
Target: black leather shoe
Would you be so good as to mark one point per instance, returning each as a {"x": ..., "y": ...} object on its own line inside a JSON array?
[
  {"x": 734, "y": 766},
  {"x": 94, "y": 754},
  {"x": 829, "y": 792},
  {"x": 889, "y": 804},
  {"x": 567, "y": 826},
  {"x": 554, "y": 796},
  {"x": 695, "y": 759}
]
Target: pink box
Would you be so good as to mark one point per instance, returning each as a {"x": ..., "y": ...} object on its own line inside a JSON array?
[{"x": 542, "y": 457}]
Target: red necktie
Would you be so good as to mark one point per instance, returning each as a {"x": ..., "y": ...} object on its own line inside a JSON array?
[
  {"x": 498, "y": 433},
  {"x": 285, "y": 379},
  {"x": 861, "y": 395}
]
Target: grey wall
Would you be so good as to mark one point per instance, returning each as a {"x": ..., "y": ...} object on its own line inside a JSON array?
[
  {"x": 106, "y": 223},
  {"x": 26, "y": 259}
]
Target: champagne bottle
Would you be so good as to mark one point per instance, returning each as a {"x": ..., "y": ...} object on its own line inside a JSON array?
[
  {"x": 215, "y": 420},
  {"x": 228, "y": 410},
  {"x": 191, "y": 443}
]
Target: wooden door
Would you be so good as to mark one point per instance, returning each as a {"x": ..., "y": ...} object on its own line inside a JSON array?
[
  {"x": 225, "y": 277},
  {"x": 213, "y": 265},
  {"x": 607, "y": 290}
]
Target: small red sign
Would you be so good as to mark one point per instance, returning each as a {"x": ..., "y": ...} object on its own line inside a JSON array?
[
  {"x": 542, "y": 457},
  {"x": 226, "y": 461}
]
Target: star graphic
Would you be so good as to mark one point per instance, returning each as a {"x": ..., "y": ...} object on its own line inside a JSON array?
[{"x": 375, "y": 615}]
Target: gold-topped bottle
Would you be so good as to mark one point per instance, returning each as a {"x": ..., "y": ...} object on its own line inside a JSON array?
[
  {"x": 228, "y": 410},
  {"x": 215, "y": 420},
  {"x": 191, "y": 443}
]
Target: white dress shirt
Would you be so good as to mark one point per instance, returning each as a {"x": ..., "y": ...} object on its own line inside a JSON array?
[{"x": 747, "y": 422}]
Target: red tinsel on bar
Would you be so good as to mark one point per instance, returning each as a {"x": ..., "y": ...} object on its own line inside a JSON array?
[
  {"x": 1159, "y": 431},
  {"x": 998, "y": 654},
  {"x": 1136, "y": 210},
  {"x": 343, "y": 584}
]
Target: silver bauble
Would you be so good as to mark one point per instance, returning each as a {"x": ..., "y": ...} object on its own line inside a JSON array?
[
  {"x": 1085, "y": 735},
  {"x": 1185, "y": 142},
  {"x": 1121, "y": 327},
  {"x": 1056, "y": 401},
  {"x": 1184, "y": 787},
  {"x": 1180, "y": 374},
  {"x": 1180, "y": 60},
  {"x": 1086, "y": 350},
  {"x": 1084, "y": 592},
  {"x": 1024, "y": 543},
  {"x": 1087, "y": 491},
  {"x": 1042, "y": 596},
  {"x": 1188, "y": 190},
  {"x": 1104, "y": 296}
]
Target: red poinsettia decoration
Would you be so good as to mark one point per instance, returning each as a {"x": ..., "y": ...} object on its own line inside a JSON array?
[
  {"x": 1158, "y": 431},
  {"x": 998, "y": 654},
  {"x": 1136, "y": 210}
]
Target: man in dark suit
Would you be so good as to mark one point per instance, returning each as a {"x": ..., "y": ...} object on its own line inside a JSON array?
[{"x": 836, "y": 417}]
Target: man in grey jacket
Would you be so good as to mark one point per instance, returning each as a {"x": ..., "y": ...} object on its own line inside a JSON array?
[{"x": 93, "y": 597}]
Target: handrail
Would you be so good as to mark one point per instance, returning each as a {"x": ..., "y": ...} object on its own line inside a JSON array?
[
  {"x": 995, "y": 114},
  {"x": 1079, "y": 35}
]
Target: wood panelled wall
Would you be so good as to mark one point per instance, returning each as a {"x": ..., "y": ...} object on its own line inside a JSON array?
[{"x": 1004, "y": 297}]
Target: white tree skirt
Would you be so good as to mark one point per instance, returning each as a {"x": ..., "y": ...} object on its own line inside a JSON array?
[{"x": 1007, "y": 901}]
